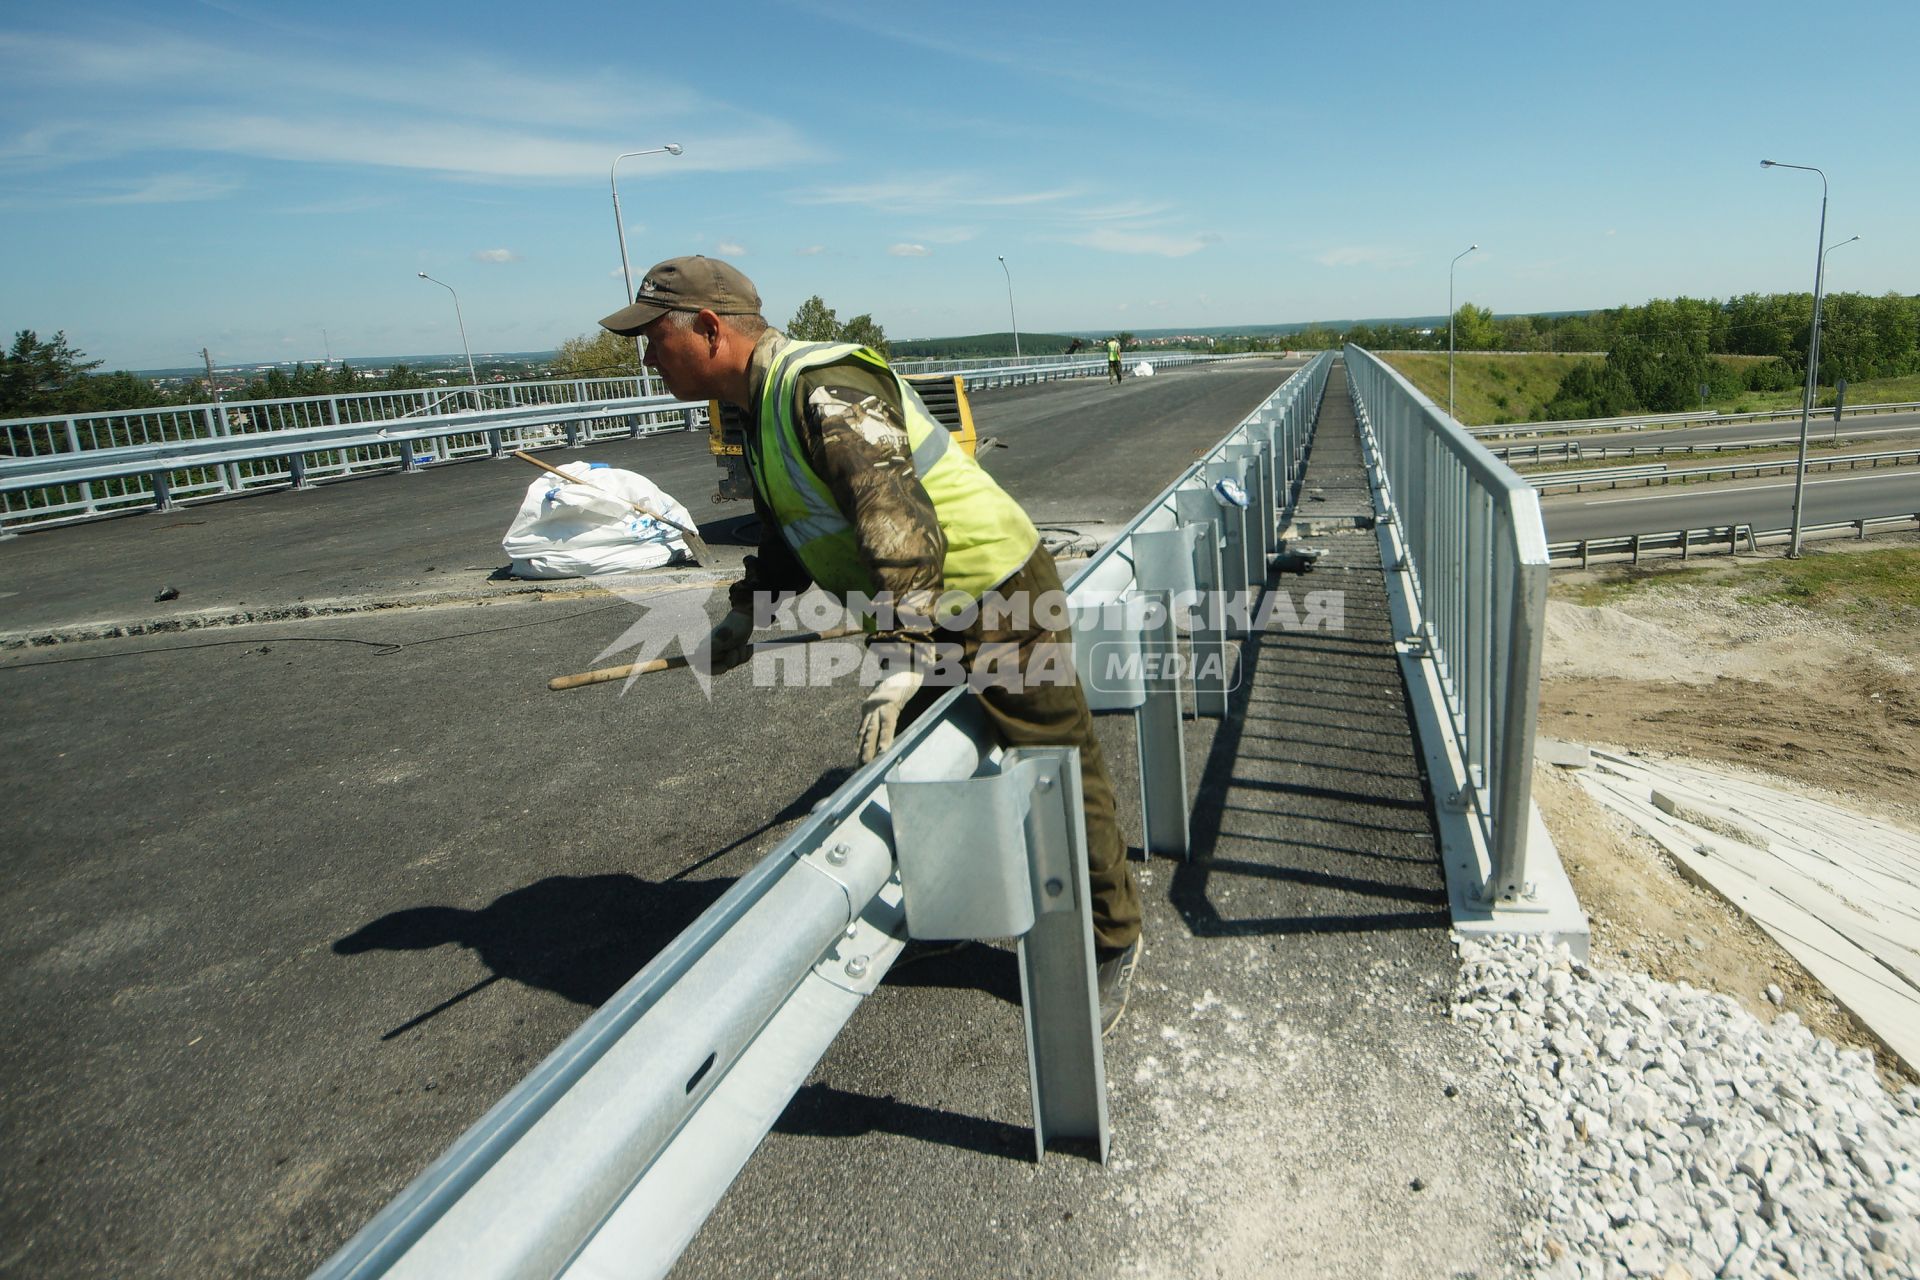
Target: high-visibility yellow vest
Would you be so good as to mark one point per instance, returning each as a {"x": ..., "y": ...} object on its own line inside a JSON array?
[
  {"x": 988, "y": 535},
  {"x": 1113, "y": 349}
]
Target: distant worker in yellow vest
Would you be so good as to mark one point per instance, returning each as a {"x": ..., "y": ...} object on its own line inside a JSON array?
[
  {"x": 861, "y": 492},
  {"x": 1113, "y": 359}
]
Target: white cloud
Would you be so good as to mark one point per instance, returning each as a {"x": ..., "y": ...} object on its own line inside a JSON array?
[
  {"x": 1361, "y": 255},
  {"x": 730, "y": 249},
  {"x": 170, "y": 188},
  {"x": 909, "y": 250},
  {"x": 926, "y": 193},
  {"x": 1612, "y": 231},
  {"x": 811, "y": 251},
  {"x": 1118, "y": 240},
  {"x": 946, "y": 235},
  {"x": 495, "y": 255},
  {"x": 467, "y": 117}
]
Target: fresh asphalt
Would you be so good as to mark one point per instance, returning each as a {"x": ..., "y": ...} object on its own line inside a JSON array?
[
  {"x": 290, "y": 902},
  {"x": 1765, "y": 502}
]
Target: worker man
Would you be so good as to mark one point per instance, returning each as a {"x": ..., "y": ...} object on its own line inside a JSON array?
[
  {"x": 862, "y": 493},
  {"x": 1113, "y": 360}
]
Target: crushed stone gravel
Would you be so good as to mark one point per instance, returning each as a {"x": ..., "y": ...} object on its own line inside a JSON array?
[{"x": 1672, "y": 1134}]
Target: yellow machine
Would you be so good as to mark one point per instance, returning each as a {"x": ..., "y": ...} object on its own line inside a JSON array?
[{"x": 944, "y": 394}]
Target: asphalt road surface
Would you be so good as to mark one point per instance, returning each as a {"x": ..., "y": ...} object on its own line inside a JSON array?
[
  {"x": 1765, "y": 503},
  {"x": 1889, "y": 428},
  {"x": 288, "y": 904}
]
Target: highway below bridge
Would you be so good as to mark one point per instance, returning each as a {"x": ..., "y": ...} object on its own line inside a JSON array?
[
  {"x": 1765, "y": 502},
  {"x": 291, "y": 900}
]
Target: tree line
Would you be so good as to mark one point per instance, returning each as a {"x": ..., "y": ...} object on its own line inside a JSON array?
[
  {"x": 1656, "y": 356},
  {"x": 46, "y": 377}
]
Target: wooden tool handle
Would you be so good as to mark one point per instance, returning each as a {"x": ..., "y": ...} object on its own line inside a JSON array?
[
  {"x": 604, "y": 674},
  {"x": 649, "y": 512}
]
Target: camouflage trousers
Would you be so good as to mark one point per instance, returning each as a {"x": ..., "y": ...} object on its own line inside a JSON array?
[{"x": 1053, "y": 714}]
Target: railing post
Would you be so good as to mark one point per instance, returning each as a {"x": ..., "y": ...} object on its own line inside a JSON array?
[{"x": 1005, "y": 856}]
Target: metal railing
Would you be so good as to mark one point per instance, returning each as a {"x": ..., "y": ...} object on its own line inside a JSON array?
[
  {"x": 154, "y": 458},
  {"x": 1649, "y": 473},
  {"x": 1716, "y": 538},
  {"x": 73, "y": 466},
  {"x": 1473, "y": 550},
  {"x": 1698, "y": 418},
  {"x": 618, "y": 1145},
  {"x": 998, "y": 374}
]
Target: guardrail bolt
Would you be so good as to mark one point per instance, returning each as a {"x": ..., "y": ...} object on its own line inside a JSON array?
[
  {"x": 1055, "y": 888},
  {"x": 837, "y": 855},
  {"x": 1046, "y": 784},
  {"x": 857, "y": 967}
]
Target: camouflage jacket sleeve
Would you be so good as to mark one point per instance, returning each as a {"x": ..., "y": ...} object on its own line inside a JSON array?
[
  {"x": 774, "y": 571},
  {"x": 856, "y": 439}
]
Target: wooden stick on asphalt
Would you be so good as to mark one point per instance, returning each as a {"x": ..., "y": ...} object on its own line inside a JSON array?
[
  {"x": 695, "y": 543},
  {"x": 678, "y": 660}
]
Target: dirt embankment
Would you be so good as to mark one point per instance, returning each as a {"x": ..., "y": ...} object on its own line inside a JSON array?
[{"x": 1820, "y": 703}]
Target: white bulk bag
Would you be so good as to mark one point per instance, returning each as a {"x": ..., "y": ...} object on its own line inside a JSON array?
[{"x": 567, "y": 530}]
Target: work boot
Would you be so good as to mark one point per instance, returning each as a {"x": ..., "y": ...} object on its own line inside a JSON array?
[
  {"x": 1116, "y": 980},
  {"x": 917, "y": 951}
]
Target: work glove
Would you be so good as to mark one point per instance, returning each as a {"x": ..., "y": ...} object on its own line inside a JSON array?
[
  {"x": 727, "y": 645},
  {"x": 880, "y": 713}
]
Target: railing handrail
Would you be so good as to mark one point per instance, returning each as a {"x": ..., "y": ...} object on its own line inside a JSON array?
[
  {"x": 1475, "y": 548},
  {"x": 46, "y": 470},
  {"x": 1704, "y": 417},
  {"x": 1546, "y": 479}
]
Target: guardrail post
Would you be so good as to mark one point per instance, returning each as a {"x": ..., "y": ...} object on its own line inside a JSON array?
[
  {"x": 1163, "y": 563},
  {"x": 1237, "y": 558},
  {"x": 297, "y": 470},
  {"x": 86, "y": 486},
  {"x": 572, "y": 430},
  {"x": 162, "y": 492},
  {"x": 1004, "y": 855},
  {"x": 1197, "y": 508}
]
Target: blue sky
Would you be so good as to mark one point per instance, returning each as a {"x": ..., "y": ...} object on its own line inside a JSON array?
[{"x": 265, "y": 180}]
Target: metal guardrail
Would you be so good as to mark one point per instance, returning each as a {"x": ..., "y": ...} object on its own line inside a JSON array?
[
  {"x": 1716, "y": 538},
  {"x": 95, "y": 464},
  {"x": 1612, "y": 476},
  {"x": 1703, "y": 418},
  {"x": 1015, "y": 375},
  {"x": 106, "y": 473},
  {"x": 1598, "y": 475},
  {"x": 614, "y": 1150},
  {"x": 1470, "y": 542}
]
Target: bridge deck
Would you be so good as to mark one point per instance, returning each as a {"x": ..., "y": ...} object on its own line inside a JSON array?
[{"x": 287, "y": 906}]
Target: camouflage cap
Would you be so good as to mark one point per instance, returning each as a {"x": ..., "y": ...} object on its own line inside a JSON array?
[{"x": 686, "y": 284}]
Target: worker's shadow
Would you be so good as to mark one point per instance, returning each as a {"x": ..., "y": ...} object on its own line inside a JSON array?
[{"x": 581, "y": 937}]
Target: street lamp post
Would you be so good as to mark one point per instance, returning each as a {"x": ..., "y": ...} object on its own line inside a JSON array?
[
  {"x": 1010, "y": 316},
  {"x": 1813, "y": 354},
  {"x": 1823, "y": 258},
  {"x": 472, "y": 377},
  {"x": 1456, "y": 258},
  {"x": 619, "y": 229}
]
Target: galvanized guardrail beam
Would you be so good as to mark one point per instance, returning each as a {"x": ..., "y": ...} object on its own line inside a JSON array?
[{"x": 1704, "y": 418}]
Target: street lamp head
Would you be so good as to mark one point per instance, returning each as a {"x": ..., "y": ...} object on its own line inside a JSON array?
[
  {"x": 1472, "y": 247},
  {"x": 673, "y": 148},
  {"x": 423, "y": 275},
  {"x": 1001, "y": 256},
  {"x": 1766, "y": 164}
]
